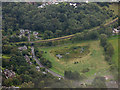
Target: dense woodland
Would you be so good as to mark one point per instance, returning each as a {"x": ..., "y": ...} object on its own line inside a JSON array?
[{"x": 53, "y": 20}]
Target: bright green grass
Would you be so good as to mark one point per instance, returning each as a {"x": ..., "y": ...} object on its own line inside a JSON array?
[
  {"x": 114, "y": 42},
  {"x": 94, "y": 60},
  {"x": 6, "y": 56}
]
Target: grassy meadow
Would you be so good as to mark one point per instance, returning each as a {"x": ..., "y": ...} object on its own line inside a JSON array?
[
  {"x": 114, "y": 42},
  {"x": 93, "y": 61}
]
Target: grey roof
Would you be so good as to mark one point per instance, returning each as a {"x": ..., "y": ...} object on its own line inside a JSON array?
[{"x": 59, "y": 56}]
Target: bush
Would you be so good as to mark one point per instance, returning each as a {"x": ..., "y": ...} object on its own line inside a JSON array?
[
  {"x": 72, "y": 75},
  {"x": 85, "y": 70}
]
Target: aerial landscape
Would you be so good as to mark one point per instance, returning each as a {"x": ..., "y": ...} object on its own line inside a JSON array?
[{"x": 60, "y": 44}]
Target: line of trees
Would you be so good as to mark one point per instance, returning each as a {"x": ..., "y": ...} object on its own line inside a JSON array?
[
  {"x": 108, "y": 48},
  {"x": 108, "y": 53},
  {"x": 73, "y": 75},
  {"x": 43, "y": 61}
]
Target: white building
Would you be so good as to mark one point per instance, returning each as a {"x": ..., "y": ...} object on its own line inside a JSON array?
[{"x": 116, "y": 30}]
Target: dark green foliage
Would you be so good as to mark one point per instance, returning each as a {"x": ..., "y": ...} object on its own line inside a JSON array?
[
  {"x": 105, "y": 30},
  {"x": 86, "y": 35},
  {"x": 72, "y": 75},
  {"x": 103, "y": 40},
  {"x": 85, "y": 70},
  {"x": 108, "y": 48},
  {"x": 25, "y": 52},
  {"x": 6, "y": 49},
  {"x": 44, "y": 62},
  {"x": 99, "y": 82},
  {"x": 17, "y": 39},
  {"x": 103, "y": 4},
  {"x": 17, "y": 60},
  {"x": 53, "y": 20}
]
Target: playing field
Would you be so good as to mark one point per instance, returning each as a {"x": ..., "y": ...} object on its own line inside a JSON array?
[{"x": 89, "y": 63}]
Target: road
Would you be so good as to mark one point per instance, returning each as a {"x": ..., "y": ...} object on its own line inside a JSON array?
[{"x": 38, "y": 62}]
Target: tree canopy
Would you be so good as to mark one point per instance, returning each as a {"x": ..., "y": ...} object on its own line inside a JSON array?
[{"x": 53, "y": 20}]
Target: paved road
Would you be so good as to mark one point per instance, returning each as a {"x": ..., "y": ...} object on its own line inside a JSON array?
[
  {"x": 38, "y": 62},
  {"x": 29, "y": 37}
]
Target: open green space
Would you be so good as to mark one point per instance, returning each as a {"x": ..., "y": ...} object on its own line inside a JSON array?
[
  {"x": 6, "y": 56},
  {"x": 114, "y": 7},
  {"x": 114, "y": 42},
  {"x": 70, "y": 53},
  {"x": 90, "y": 62}
]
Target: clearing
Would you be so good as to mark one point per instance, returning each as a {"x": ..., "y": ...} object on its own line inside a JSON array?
[{"x": 89, "y": 62}]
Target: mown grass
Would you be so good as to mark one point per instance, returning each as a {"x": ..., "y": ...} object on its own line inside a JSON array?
[
  {"x": 6, "y": 56},
  {"x": 94, "y": 60}
]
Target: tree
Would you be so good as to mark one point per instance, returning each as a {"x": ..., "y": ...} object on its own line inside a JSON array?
[
  {"x": 8, "y": 82},
  {"x": 48, "y": 34},
  {"x": 6, "y": 49},
  {"x": 16, "y": 81},
  {"x": 92, "y": 35},
  {"x": 25, "y": 52},
  {"x": 72, "y": 75},
  {"x": 109, "y": 50},
  {"x": 58, "y": 33},
  {"x": 99, "y": 82},
  {"x": 103, "y": 39}
]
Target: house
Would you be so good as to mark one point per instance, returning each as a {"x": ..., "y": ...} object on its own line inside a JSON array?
[
  {"x": 22, "y": 48},
  {"x": 35, "y": 33},
  {"x": 44, "y": 72},
  {"x": 23, "y": 32},
  {"x": 73, "y": 4},
  {"x": 41, "y": 6},
  {"x": 38, "y": 68},
  {"x": 59, "y": 56},
  {"x": 47, "y": 3},
  {"x": 28, "y": 59},
  {"x": 9, "y": 73},
  {"x": 86, "y": 1},
  {"x": 116, "y": 30}
]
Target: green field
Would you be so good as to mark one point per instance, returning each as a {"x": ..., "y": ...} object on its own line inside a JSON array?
[
  {"x": 114, "y": 42},
  {"x": 114, "y": 7},
  {"x": 6, "y": 56},
  {"x": 94, "y": 60},
  {"x": 67, "y": 54}
]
